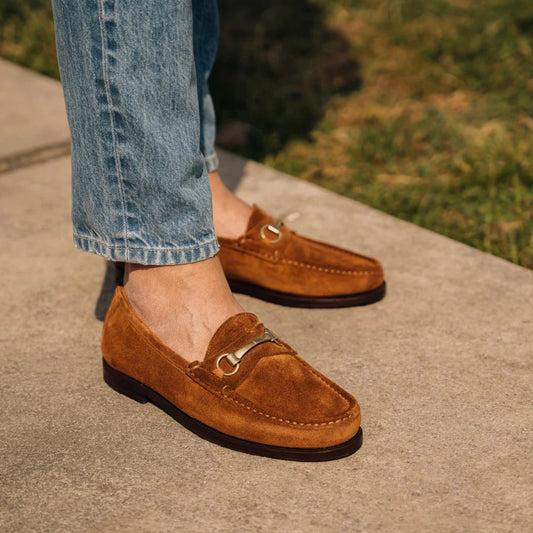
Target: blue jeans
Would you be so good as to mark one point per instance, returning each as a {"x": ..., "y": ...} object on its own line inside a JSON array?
[{"x": 142, "y": 125}]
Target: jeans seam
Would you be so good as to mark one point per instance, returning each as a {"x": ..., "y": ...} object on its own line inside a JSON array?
[{"x": 105, "y": 74}]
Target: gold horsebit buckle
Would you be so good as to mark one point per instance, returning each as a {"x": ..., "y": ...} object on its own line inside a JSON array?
[
  {"x": 272, "y": 228},
  {"x": 234, "y": 358}
]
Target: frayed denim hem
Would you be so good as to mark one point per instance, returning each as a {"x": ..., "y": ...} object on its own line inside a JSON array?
[{"x": 148, "y": 256}]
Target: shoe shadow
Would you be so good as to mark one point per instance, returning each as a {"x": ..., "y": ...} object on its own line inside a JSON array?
[{"x": 112, "y": 277}]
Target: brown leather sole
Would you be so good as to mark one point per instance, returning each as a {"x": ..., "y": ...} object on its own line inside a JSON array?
[
  {"x": 295, "y": 300},
  {"x": 137, "y": 391}
]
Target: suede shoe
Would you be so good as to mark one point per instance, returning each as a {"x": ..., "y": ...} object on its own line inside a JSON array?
[
  {"x": 273, "y": 263},
  {"x": 251, "y": 393}
]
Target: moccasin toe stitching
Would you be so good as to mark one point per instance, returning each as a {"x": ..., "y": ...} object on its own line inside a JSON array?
[
  {"x": 286, "y": 388},
  {"x": 274, "y": 404},
  {"x": 297, "y": 270}
]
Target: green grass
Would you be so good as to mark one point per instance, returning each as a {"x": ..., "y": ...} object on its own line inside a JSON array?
[
  {"x": 421, "y": 109},
  {"x": 441, "y": 132},
  {"x": 27, "y": 34}
]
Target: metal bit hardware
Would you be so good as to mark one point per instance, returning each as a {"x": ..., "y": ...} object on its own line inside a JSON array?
[
  {"x": 234, "y": 358},
  {"x": 272, "y": 228}
]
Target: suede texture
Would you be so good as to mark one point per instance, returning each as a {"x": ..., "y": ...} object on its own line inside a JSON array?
[
  {"x": 295, "y": 264},
  {"x": 275, "y": 398}
]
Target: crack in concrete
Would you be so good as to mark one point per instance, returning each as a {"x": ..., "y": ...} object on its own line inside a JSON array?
[{"x": 34, "y": 156}]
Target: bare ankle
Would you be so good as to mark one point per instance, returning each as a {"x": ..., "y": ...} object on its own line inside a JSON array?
[
  {"x": 181, "y": 304},
  {"x": 230, "y": 213}
]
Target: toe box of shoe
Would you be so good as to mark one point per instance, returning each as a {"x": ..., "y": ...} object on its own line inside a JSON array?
[
  {"x": 327, "y": 270},
  {"x": 296, "y": 406}
]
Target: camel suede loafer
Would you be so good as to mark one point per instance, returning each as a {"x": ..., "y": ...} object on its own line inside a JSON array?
[
  {"x": 273, "y": 263},
  {"x": 251, "y": 393}
]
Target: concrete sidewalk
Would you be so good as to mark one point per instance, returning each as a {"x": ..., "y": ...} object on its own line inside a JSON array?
[{"x": 441, "y": 368}]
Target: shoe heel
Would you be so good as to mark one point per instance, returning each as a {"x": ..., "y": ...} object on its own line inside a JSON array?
[{"x": 124, "y": 384}]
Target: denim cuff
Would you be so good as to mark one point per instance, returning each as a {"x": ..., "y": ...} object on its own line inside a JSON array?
[
  {"x": 211, "y": 162},
  {"x": 148, "y": 256}
]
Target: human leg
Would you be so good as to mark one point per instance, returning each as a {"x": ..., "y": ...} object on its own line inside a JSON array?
[
  {"x": 135, "y": 126},
  {"x": 292, "y": 270},
  {"x": 141, "y": 197},
  {"x": 230, "y": 213}
]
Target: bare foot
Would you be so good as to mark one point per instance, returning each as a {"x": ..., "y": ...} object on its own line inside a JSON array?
[
  {"x": 185, "y": 304},
  {"x": 230, "y": 213},
  {"x": 182, "y": 304}
]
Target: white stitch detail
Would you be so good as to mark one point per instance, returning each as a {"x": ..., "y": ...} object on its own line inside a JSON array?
[{"x": 314, "y": 267}]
